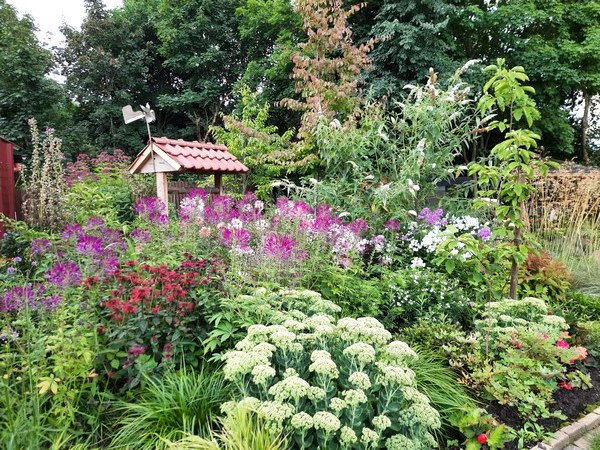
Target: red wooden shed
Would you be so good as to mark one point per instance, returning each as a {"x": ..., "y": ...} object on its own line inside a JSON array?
[{"x": 7, "y": 181}]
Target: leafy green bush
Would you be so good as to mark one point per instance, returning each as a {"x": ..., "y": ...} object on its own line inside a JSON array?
[
  {"x": 181, "y": 403},
  {"x": 333, "y": 384},
  {"x": 528, "y": 356},
  {"x": 422, "y": 294},
  {"x": 351, "y": 289},
  {"x": 234, "y": 316}
]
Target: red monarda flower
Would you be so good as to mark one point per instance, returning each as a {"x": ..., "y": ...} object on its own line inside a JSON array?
[{"x": 482, "y": 438}]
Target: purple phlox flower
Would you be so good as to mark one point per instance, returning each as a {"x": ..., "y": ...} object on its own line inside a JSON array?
[
  {"x": 17, "y": 259},
  {"x": 433, "y": 218},
  {"x": 359, "y": 227},
  {"x": 152, "y": 209},
  {"x": 198, "y": 192},
  {"x": 392, "y": 225},
  {"x": 112, "y": 240},
  {"x": 11, "y": 270},
  {"x": 94, "y": 222},
  {"x": 140, "y": 235},
  {"x": 292, "y": 210},
  {"x": 343, "y": 240},
  {"x": 89, "y": 246},
  {"x": 484, "y": 234},
  {"x": 378, "y": 243},
  {"x": 221, "y": 209},
  {"x": 72, "y": 232},
  {"x": 64, "y": 274},
  {"x": 279, "y": 246}
]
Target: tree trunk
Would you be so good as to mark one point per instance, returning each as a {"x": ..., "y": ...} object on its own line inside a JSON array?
[
  {"x": 587, "y": 102},
  {"x": 514, "y": 269}
]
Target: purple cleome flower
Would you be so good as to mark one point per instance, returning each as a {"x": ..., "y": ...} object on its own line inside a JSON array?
[
  {"x": 152, "y": 209},
  {"x": 64, "y": 274},
  {"x": 279, "y": 246},
  {"x": 32, "y": 296},
  {"x": 484, "y": 234}
]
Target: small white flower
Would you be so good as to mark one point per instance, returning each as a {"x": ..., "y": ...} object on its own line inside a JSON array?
[
  {"x": 302, "y": 421},
  {"x": 413, "y": 188},
  {"x": 360, "y": 380},
  {"x": 348, "y": 436},
  {"x": 417, "y": 263}
]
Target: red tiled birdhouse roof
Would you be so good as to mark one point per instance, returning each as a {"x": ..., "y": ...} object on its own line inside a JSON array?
[{"x": 177, "y": 155}]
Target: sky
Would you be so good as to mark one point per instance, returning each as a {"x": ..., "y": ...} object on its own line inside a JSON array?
[{"x": 48, "y": 15}]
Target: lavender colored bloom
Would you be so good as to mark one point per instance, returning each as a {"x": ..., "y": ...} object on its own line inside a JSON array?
[
  {"x": 72, "y": 232},
  {"x": 434, "y": 218},
  {"x": 378, "y": 243},
  {"x": 17, "y": 259},
  {"x": 152, "y": 209},
  {"x": 279, "y": 246},
  {"x": 392, "y": 225},
  {"x": 89, "y": 246},
  {"x": 11, "y": 270},
  {"x": 110, "y": 265},
  {"x": 140, "y": 235},
  {"x": 237, "y": 238},
  {"x": 191, "y": 209},
  {"x": 64, "y": 274},
  {"x": 94, "y": 222},
  {"x": 484, "y": 234},
  {"x": 15, "y": 298},
  {"x": 40, "y": 247},
  {"x": 50, "y": 303},
  {"x": 359, "y": 226}
]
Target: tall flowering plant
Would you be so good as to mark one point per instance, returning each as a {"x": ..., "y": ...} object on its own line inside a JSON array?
[
  {"x": 276, "y": 244},
  {"x": 333, "y": 385},
  {"x": 154, "y": 316},
  {"x": 81, "y": 251}
]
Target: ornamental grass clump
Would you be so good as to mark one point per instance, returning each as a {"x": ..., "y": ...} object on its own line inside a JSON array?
[{"x": 333, "y": 385}]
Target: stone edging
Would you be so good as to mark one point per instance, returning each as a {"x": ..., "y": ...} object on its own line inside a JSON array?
[{"x": 571, "y": 433}]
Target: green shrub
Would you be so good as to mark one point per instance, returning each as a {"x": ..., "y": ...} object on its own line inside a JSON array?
[
  {"x": 438, "y": 382},
  {"x": 235, "y": 315},
  {"x": 351, "y": 289},
  {"x": 422, "y": 294},
  {"x": 589, "y": 332},
  {"x": 333, "y": 384},
  {"x": 183, "y": 402},
  {"x": 527, "y": 356}
]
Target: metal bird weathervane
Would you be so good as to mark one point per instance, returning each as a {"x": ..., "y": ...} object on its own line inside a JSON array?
[{"x": 129, "y": 116}]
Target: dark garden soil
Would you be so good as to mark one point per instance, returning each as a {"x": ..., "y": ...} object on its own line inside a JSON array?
[{"x": 572, "y": 403}]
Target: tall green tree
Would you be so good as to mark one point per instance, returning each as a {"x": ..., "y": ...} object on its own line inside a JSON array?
[
  {"x": 200, "y": 42},
  {"x": 25, "y": 87},
  {"x": 112, "y": 61},
  {"x": 413, "y": 35}
]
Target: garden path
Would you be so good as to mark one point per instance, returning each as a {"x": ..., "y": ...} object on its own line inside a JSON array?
[{"x": 577, "y": 436}]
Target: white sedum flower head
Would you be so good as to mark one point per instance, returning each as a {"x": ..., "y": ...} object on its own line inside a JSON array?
[
  {"x": 325, "y": 367},
  {"x": 291, "y": 388},
  {"x": 360, "y": 380},
  {"x": 381, "y": 422},
  {"x": 348, "y": 436},
  {"x": 369, "y": 436},
  {"x": 326, "y": 421},
  {"x": 361, "y": 352},
  {"x": 262, "y": 374},
  {"x": 302, "y": 421}
]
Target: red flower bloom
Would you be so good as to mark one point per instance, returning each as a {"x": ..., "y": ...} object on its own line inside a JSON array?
[
  {"x": 482, "y": 438},
  {"x": 562, "y": 344},
  {"x": 136, "y": 350},
  {"x": 517, "y": 344},
  {"x": 565, "y": 385}
]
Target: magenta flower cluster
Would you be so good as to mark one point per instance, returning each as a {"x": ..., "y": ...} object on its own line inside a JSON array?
[
  {"x": 93, "y": 249},
  {"x": 152, "y": 209},
  {"x": 282, "y": 234},
  {"x": 32, "y": 296}
]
